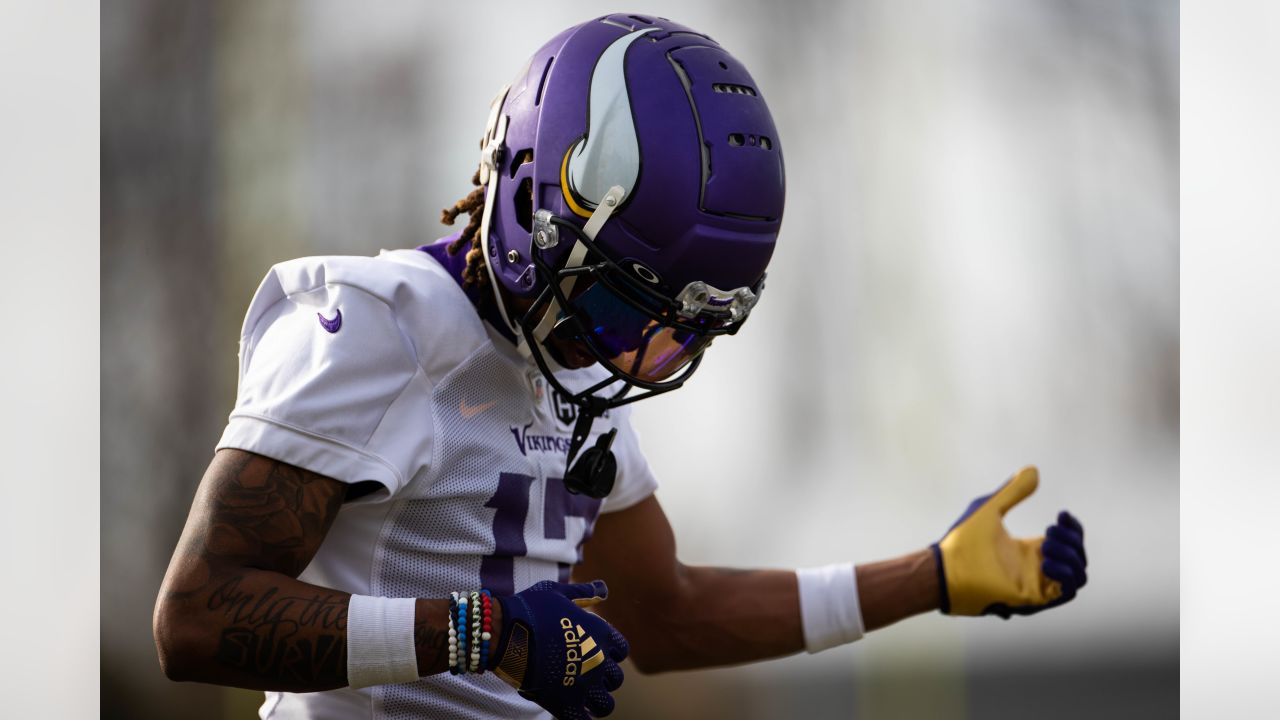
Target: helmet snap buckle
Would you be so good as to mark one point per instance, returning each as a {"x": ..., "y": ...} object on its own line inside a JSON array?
[
  {"x": 490, "y": 156},
  {"x": 545, "y": 234},
  {"x": 698, "y": 297}
]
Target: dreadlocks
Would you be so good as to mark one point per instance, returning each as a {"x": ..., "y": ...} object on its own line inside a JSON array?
[{"x": 473, "y": 205}]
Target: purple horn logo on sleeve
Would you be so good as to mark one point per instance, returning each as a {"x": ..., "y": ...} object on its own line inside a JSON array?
[{"x": 333, "y": 325}]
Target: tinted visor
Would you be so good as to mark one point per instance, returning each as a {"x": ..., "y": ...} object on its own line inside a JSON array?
[{"x": 631, "y": 337}]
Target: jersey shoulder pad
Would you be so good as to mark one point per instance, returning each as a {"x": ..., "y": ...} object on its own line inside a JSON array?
[{"x": 435, "y": 317}]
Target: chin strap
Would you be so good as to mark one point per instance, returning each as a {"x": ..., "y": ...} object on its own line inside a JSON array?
[
  {"x": 495, "y": 136},
  {"x": 608, "y": 204}
]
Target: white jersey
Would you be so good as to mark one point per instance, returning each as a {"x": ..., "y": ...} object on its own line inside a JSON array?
[{"x": 380, "y": 369}]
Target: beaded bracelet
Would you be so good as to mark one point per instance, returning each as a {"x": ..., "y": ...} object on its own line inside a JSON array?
[
  {"x": 475, "y": 632},
  {"x": 486, "y": 627},
  {"x": 453, "y": 634},
  {"x": 462, "y": 633},
  {"x": 470, "y": 619}
]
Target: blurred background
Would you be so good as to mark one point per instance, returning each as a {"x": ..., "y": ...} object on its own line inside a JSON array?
[{"x": 978, "y": 269}]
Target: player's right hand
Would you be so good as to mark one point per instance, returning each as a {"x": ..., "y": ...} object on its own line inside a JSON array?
[{"x": 557, "y": 654}]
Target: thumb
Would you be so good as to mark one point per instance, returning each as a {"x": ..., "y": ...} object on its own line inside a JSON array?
[
  {"x": 584, "y": 594},
  {"x": 1018, "y": 488}
]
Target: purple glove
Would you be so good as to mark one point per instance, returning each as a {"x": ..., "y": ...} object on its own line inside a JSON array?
[{"x": 557, "y": 654}]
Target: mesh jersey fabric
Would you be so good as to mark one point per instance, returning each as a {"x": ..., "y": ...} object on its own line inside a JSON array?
[{"x": 466, "y": 439}]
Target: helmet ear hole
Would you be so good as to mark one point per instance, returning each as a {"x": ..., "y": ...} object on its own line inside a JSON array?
[
  {"x": 523, "y": 157},
  {"x": 524, "y": 204}
]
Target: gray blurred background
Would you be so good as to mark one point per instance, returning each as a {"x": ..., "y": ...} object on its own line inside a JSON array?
[{"x": 978, "y": 269}]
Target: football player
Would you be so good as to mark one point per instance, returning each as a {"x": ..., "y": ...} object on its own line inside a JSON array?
[{"x": 429, "y": 447}]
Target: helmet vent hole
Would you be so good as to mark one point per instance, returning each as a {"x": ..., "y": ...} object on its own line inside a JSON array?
[
  {"x": 646, "y": 21},
  {"x": 723, "y": 66},
  {"x": 524, "y": 204},
  {"x": 736, "y": 139},
  {"x": 766, "y": 143},
  {"x": 523, "y": 157},
  {"x": 542, "y": 83},
  {"x": 733, "y": 89}
]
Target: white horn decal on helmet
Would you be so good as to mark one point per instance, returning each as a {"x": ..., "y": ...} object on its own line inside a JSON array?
[{"x": 610, "y": 153}]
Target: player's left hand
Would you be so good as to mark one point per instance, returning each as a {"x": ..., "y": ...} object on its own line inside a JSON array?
[
  {"x": 983, "y": 571},
  {"x": 556, "y": 653}
]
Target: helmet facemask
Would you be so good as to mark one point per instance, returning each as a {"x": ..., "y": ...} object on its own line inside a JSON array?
[
  {"x": 640, "y": 337},
  {"x": 643, "y": 338}
]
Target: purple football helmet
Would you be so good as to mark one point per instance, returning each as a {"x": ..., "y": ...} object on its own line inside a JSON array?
[{"x": 634, "y": 187}]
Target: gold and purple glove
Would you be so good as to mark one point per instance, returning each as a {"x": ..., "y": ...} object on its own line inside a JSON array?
[
  {"x": 557, "y": 654},
  {"x": 983, "y": 571}
]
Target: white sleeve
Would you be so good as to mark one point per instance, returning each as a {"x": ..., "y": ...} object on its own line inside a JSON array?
[
  {"x": 635, "y": 480},
  {"x": 314, "y": 394}
]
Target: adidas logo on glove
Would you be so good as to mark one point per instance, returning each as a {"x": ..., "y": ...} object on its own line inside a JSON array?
[{"x": 578, "y": 645}]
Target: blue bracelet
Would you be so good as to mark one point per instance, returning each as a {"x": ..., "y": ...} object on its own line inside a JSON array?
[
  {"x": 462, "y": 633},
  {"x": 453, "y": 635}
]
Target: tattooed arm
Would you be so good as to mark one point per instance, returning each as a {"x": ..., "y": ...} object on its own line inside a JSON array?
[
  {"x": 678, "y": 616},
  {"x": 231, "y": 610}
]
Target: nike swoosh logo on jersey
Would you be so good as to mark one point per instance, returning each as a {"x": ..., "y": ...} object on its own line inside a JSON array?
[
  {"x": 470, "y": 411},
  {"x": 333, "y": 325}
]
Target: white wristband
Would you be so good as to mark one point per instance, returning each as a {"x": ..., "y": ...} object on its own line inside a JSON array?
[
  {"x": 380, "y": 648},
  {"x": 829, "y": 608}
]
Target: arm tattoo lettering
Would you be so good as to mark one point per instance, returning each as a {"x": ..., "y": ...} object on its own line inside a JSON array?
[{"x": 292, "y": 639}]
